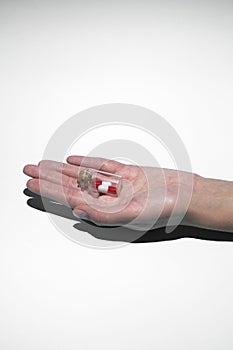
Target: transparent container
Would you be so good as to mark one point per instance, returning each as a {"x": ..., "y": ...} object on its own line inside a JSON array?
[{"x": 97, "y": 182}]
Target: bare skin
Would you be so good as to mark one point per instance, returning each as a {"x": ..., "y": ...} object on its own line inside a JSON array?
[{"x": 148, "y": 194}]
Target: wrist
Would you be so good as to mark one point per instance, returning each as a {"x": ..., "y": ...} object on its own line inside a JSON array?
[{"x": 211, "y": 204}]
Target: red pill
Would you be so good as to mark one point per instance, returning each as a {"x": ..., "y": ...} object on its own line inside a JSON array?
[
  {"x": 112, "y": 190},
  {"x": 97, "y": 183}
]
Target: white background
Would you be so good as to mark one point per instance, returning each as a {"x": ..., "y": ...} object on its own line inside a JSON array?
[{"x": 58, "y": 58}]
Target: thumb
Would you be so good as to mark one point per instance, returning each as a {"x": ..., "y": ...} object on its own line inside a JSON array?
[
  {"x": 98, "y": 217},
  {"x": 85, "y": 212},
  {"x": 80, "y": 214}
]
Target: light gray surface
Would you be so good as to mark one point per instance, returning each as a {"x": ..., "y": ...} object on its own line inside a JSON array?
[{"x": 58, "y": 58}]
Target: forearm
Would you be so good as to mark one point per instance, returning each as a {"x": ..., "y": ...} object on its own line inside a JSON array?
[{"x": 211, "y": 205}]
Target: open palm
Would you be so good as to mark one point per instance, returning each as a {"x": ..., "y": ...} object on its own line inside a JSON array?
[{"x": 147, "y": 193}]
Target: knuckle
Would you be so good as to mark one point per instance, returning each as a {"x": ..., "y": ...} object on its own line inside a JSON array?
[{"x": 43, "y": 165}]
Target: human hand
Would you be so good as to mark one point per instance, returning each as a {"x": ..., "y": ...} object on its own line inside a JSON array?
[{"x": 147, "y": 193}]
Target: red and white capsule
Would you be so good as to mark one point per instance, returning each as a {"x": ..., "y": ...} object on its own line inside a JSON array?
[{"x": 105, "y": 187}]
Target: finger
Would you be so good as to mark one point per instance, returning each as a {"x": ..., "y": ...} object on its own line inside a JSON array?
[
  {"x": 29, "y": 170},
  {"x": 84, "y": 211},
  {"x": 46, "y": 165},
  {"x": 103, "y": 164},
  {"x": 73, "y": 170},
  {"x": 67, "y": 195},
  {"x": 66, "y": 169},
  {"x": 45, "y": 173}
]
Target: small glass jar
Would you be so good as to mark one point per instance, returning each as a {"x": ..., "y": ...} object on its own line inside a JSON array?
[{"x": 97, "y": 182}]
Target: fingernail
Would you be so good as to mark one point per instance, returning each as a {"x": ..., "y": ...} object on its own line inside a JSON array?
[{"x": 81, "y": 215}]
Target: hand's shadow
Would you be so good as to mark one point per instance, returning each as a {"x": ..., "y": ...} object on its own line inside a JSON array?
[{"x": 121, "y": 233}]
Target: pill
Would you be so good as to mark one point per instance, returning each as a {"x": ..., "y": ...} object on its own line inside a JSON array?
[
  {"x": 97, "y": 183},
  {"x": 112, "y": 190},
  {"x": 103, "y": 189},
  {"x": 106, "y": 183}
]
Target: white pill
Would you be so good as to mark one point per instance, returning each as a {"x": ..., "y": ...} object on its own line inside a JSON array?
[
  {"x": 103, "y": 189},
  {"x": 106, "y": 183}
]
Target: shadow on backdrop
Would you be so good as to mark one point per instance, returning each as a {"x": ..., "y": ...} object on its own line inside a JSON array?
[{"x": 122, "y": 233}]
